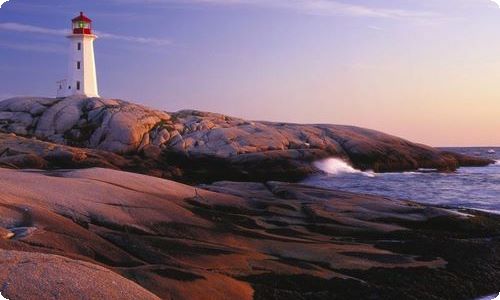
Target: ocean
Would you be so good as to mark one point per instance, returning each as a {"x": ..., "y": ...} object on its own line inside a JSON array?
[{"x": 474, "y": 187}]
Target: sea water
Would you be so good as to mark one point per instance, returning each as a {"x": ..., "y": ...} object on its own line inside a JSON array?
[{"x": 474, "y": 187}]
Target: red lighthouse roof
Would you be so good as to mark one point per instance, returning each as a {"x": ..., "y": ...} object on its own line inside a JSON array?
[
  {"x": 82, "y": 24},
  {"x": 82, "y": 18}
]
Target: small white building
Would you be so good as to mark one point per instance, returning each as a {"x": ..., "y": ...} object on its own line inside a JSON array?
[{"x": 82, "y": 77}]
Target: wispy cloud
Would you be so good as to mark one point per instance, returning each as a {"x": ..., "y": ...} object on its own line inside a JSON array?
[
  {"x": 332, "y": 8},
  {"x": 135, "y": 39},
  {"x": 374, "y": 27},
  {"x": 311, "y": 7},
  {"x": 17, "y": 27}
]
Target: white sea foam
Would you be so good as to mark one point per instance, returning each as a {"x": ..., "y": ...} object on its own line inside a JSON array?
[
  {"x": 490, "y": 297},
  {"x": 336, "y": 166},
  {"x": 427, "y": 170}
]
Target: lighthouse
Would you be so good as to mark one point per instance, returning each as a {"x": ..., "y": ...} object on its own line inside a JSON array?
[{"x": 82, "y": 78}]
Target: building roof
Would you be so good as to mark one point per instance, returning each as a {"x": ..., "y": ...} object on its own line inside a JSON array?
[{"x": 83, "y": 18}]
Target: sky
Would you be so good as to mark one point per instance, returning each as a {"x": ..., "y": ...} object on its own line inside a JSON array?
[{"x": 425, "y": 70}]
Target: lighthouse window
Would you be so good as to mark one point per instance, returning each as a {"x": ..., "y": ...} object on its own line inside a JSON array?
[
  {"x": 78, "y": 85},
  {"x": 79, "y": 46},
  {"x": 78, "y": 65}
]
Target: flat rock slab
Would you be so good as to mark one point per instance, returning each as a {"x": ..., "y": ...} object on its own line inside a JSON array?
[
  {"x": 232, "y": 240},
  {"x": 26, "y": 275}
]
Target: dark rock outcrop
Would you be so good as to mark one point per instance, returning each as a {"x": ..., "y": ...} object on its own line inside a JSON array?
[
  {"x": 232, "y": 241},
  {"x": 30, "y": 153}
]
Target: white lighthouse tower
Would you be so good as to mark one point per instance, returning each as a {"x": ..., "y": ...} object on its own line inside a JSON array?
[{"x": 82, "y": 77}]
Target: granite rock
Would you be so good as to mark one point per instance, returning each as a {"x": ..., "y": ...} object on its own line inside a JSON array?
[
  {"x": 214, "y": 146},
  {"x": 104, "y": 124},
  {"x": 27, "y": 275},
  {"x": 232, "y": 240}
]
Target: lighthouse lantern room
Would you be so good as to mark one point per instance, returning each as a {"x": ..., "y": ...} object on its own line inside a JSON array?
[{"x": 82, "y": 78}]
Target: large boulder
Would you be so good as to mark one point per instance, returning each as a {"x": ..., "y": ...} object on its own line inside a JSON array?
[{"x": 103, "y": 124}]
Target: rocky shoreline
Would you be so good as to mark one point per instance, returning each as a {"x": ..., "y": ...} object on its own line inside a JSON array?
[
  {"x": 193, "y": 146},
  {"x": 241, "y": 230},
  {"x": 233, "y": 240}
]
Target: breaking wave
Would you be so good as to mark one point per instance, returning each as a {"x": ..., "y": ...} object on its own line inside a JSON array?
[{"x": 336, "y": 166}]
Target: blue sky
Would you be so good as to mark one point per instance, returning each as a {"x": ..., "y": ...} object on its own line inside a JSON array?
[{"x": 428, "y": 70}]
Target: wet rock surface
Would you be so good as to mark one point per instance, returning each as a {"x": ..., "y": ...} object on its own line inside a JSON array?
[
  {"x": 236, "y": 240},
  {"x": 208, "y": 146}
]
